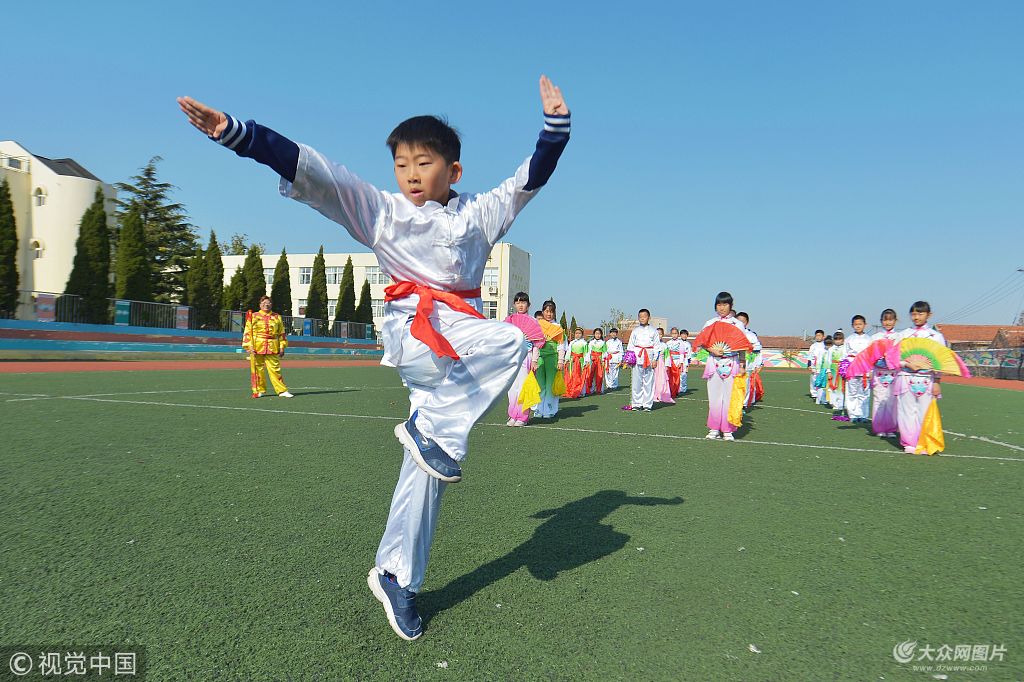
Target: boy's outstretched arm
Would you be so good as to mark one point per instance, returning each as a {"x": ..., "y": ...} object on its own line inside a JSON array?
[{"x": 248, "y": 139}]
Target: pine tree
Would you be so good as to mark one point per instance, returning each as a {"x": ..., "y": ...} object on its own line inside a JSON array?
[
  {"x": 234, "y": 292},
  {"x": 133, "y": 279},
  {"x": 346, "y": 310},
  {"x": 255, "y": 281},
  {"x": 90, "y": 272},
  {"x": 281, "y": 291},
  {"x": 197, "y": 288},
  {"x": 210, "y": 318},
  {"x": 8, "y": 253},
  {"x": 169, "y": 235},
  {"x": 562, "y": 323},
  {"x": 364, "y": 311},
  {"x": 573, "y": 326},
  {"x": 316, "y": 300}
]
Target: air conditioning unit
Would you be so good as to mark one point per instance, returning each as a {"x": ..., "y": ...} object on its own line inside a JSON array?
[{"x": 492, "y": 290}]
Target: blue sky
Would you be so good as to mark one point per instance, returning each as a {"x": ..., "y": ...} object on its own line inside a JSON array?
[{"x": 815, "y": 159}]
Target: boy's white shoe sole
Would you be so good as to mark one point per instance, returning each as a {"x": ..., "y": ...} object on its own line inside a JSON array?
[
  {"x": 286, "y": 394},
  {"x": 373, "y": 581}
]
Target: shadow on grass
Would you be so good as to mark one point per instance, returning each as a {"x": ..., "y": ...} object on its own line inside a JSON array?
[
  {"x": 572, "y": 536},
  {"x": 569, "y": 412},
  {"x": 337, "y": 390}
]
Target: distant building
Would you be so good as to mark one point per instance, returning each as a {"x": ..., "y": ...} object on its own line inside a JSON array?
[
  {"x": 49, "y": 197},
  {"x": 506, "y": 273},
  {"x": 980, "y": 336}
]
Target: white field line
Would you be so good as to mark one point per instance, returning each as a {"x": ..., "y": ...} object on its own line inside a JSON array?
[{"x": 538, "y": 426}]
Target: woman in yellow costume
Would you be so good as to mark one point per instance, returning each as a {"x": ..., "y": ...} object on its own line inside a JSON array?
[{"x": 265, "y": 340}]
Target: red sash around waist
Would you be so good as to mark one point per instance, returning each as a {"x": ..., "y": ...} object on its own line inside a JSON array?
[{"x": 421, "y": 327}]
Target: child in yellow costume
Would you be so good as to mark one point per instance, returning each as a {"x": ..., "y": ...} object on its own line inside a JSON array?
[{"x": 265, "y": 340}]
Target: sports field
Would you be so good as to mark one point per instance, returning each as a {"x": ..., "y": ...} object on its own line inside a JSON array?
[{"x": 229, "y": 538}]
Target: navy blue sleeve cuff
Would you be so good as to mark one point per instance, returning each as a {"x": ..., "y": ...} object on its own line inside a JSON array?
[
  {"x": 550, "y": 146},
  {"x": 257, "y": 142}
]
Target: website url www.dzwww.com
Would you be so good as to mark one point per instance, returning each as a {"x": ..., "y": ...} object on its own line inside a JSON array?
[{"x": 950, "y": 668}]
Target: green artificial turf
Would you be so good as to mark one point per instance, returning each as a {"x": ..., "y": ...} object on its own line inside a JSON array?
[{"x": 234, "y": 543}]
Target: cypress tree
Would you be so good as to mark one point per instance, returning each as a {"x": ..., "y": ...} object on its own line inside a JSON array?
[
  {"x": 281, "y": 291},
  {"x": 197, "y": 290},
  {"x": 8, "y": 253},
  {"x": 563, "y": 324},
  {"x": 90, "y": 272},
  {"x": 572, "y": 325},
  {"x": 133, "y": 279},
  {"x": 346, "y": 310},
  {"x": 255, "y": 282},
  {"x": 169, "y": 235},
  {"x": 234, "y": 292},
  {"x": 364, "y": 311},
  {"x": 210, "y": 318},
  {"x": 316, "y": 300}
]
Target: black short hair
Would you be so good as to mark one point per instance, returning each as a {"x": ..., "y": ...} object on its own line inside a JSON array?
[
  {"x": 644, "y": 310},
  {"x": 858, "y": 317},
  {"x": 920, "y": 307},
  {"x": 724, "y": 297},
  {"x": 673, "y": 329},
  {"x": 838, "y": 334},
  {"x": 549, "y": 304},
  {"x": 683, "y": 331},
  {"x": 827, "y": 339},
  {"x": 521, "y": 296},
  {"x": 888, "y": 312},
  {"x": 613, "y": 329},
  {"x": 743, "y": 314},
  {"x": 538, "y": 313},
  {"x": 432, "y": 132},
  {"x": 660, "y": 329},
  {"x": 819, "y": 331}
]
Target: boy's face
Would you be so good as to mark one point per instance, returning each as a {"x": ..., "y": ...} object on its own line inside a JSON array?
[
  {"x": 613, "y": 335},
  {"x": 819, "y": 337},
  {"x": 644, "y": 317},
  {"x": 919, "y": 318},
  {"x": 521, "y": 306},
  {"x": 744, "y": 319},
  {"x": 684, "y": 336},
  {"x": 723, "y": 309},
  {"x": 858, "y": 326},
  {"x": 888, "y": 323},
  {"x": 423, "y": 175}
]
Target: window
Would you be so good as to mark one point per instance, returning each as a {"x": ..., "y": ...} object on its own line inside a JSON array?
[
  {"x": 375, "y": 276},
  {"x": 13, "y": 162},
  {"x": 332, "y": 305},
  {"x": 491, "y": 310},
  {"x": 268, "y": 274},
  {"x": 378, "y": 307},
  {"x": 305, "y": 275},
  {"x": 302, "y": 306},
  {"x": 334, "y": 274},
  {"x": 490, "y": 277},
  {"x": 39, "y": 196},
  {"x": 37, "y": 248}
]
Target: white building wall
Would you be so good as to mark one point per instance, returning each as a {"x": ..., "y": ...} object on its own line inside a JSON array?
[
  {"x": 49, "y": 227},
  {"x": 511, "y": 267}
]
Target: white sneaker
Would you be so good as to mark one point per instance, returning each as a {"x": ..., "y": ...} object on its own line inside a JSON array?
[
  {"x": 286, "y": 394},
  {"x": 510, "y": 422},
  {"x": 727, "y": 436},
  {"x": 518, "y": 423},
  {"x": 712, "y": 435}
]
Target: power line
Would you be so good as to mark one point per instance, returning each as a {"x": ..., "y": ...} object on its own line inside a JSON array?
[{"x": 969, "y": 308}]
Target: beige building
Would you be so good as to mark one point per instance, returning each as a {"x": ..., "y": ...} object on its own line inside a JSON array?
[
  {"x": 506, "y": 273},
  {"x": 49, "y": 197}
]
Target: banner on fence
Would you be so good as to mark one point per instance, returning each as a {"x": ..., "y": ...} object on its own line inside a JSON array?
[
  {"x": 122, "y": 312},
  {"x": 181, "y": 317},
  {"x": 46, "y": 307}
]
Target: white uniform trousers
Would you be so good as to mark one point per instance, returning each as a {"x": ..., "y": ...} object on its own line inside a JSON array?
[
  {"x": 450, "y": 397},
  {"x": 643, "y": 387}
]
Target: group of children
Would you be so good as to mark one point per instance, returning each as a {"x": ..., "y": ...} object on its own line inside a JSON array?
[{"x": 894, "y": 400}]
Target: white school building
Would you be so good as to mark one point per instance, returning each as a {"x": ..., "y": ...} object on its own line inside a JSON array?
[{"x": 506, "y": 273}]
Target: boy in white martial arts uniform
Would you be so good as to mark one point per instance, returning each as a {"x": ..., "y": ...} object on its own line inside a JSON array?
[
  {"x": 815, "y": 353},
  {"x": 434, "y": 243},
  {"x": 754, "y": 365},
  {"x": 858, "y": 389},
  {"x": 642, "y": 341},
  {"x": 614, "y": 344},
  {"x": 685, "y": 353}
]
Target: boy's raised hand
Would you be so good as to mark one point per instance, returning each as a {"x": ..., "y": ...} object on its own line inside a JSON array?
[
  {"x": 551, "y": 98},
  {"x": 208, "y": 121}
]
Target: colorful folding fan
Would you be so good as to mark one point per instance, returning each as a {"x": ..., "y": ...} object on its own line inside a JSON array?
[
  {"x": 937, "y": 356},
  {"x": 529, "y": 326},
  {"x": 552, "y": 332},
  {"x": 883, "y": 349},
  {"x": 723, "y": 338}
]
